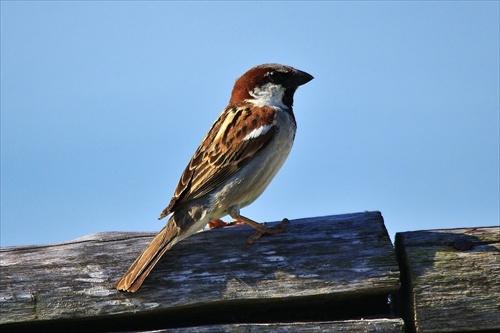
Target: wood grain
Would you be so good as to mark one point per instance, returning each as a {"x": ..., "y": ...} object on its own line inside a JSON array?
[
  {"x": 372, "y": 325},
  {"x": 332, "y": 260},
  {"x": 451, "y": 279}
]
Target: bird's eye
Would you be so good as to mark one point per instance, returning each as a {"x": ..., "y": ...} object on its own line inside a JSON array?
[{"x": 272, "y": 75}]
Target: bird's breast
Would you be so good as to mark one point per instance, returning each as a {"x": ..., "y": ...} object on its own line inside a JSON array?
[{"x": 251, "y": 181}]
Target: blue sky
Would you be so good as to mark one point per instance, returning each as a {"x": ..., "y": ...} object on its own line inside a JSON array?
[{"x": 104, "y": 103}]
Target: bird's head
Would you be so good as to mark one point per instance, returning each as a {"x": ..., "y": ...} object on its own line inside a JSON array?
[{"x": 269, "y": 85}]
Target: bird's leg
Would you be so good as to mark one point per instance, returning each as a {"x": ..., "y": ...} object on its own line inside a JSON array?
[
  {"x": 262, "y": 229},
  {"x": 218, "y": 224}
]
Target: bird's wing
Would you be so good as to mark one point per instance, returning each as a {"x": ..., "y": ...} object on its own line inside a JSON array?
[{"x": 234, "y": 139}]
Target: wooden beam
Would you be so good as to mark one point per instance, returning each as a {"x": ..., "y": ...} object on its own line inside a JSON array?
[
  {"x": 325, "y": 265},
  {"x": 451, "y": 279},
  {"x": 341, "y": 326}
]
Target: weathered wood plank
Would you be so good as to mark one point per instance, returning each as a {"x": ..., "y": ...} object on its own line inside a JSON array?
[
  {"x": 343, "y": 257},
  {"x": 372, "y": 325},
  {"x": 451, "y": 278}
]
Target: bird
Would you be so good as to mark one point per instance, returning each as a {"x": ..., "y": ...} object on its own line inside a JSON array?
[{"x": 235, "y": 162}]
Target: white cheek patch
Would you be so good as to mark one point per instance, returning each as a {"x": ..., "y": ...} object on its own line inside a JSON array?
[
  {"x": 269, "y": 94},
  {"x": 257, "y": 132}
]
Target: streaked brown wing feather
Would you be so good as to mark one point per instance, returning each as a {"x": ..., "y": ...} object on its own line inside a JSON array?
[{"x": 223, "y": 152}]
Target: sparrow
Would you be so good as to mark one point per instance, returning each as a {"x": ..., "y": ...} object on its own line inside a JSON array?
[{"x": 235, "y": 162}]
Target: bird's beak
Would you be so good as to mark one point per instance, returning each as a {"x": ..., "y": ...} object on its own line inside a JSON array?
[{"x": 299, "y": 78}]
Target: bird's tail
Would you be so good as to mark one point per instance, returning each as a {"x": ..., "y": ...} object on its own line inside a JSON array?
[{"x": 142, "y": 266}]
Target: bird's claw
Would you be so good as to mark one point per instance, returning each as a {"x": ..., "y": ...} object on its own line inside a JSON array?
[{"x": 277, "y": 229}]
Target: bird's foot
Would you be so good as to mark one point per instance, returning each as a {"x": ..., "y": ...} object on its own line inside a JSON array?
[
  {"x": 277, "y": 229},
  {"x": 218, "y": 224}
]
